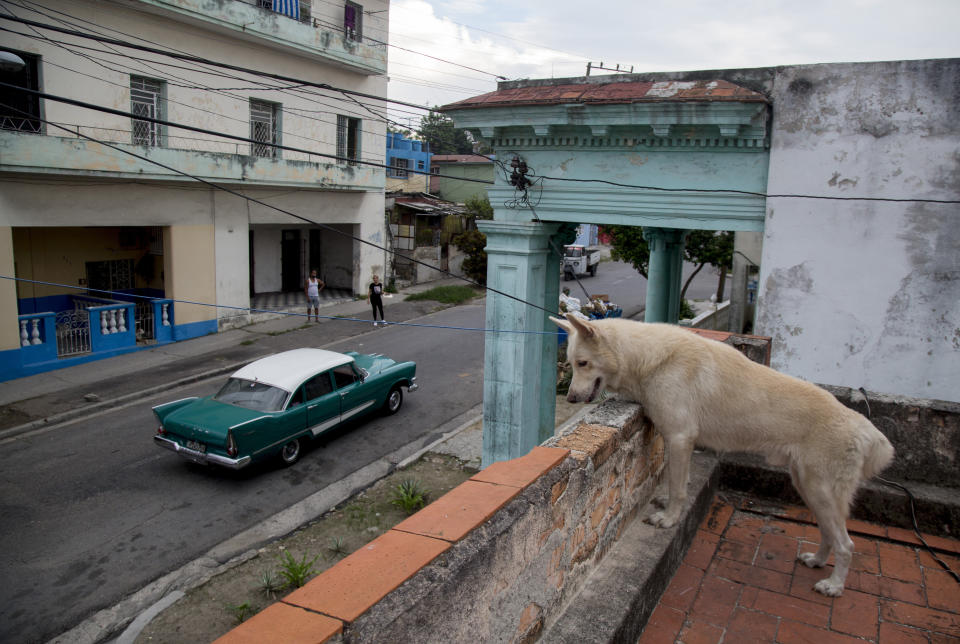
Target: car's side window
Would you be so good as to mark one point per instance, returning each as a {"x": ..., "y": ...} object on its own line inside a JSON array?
[
  {"x": 296, "y": 399},
  {"x": 344, "y": 375},
  {"x": 317, "y": 386}
]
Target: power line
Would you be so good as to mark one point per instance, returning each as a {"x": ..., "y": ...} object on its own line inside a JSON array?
[
  {"x": 207, "y": 61},
  {"x": 286, "y": 212},
  {"x": 191, "y": 128}
]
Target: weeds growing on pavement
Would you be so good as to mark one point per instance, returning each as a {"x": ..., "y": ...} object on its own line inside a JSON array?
[
  {"x": 446, "y": 294},
  {"x": 409, "y": 496},
  {"x": 296, "y": 573},
  {"x": 270, "y": 584},
  {"x": 336, "y": 546},
  {"x": 240, "y": 612}
]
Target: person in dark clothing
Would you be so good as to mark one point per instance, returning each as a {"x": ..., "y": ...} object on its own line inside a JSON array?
[{"x": 376, "y": 301}]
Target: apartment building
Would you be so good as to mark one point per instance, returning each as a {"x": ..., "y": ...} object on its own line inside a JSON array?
[{"x": 119, "y": 229}]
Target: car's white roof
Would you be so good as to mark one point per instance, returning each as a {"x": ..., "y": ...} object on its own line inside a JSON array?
[{"x": 290, "y": 368}]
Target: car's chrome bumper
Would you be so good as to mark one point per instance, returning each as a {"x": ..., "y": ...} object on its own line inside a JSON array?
[
  {"x": 413, "y": 384},
  {"x": 201, "y": 457}
]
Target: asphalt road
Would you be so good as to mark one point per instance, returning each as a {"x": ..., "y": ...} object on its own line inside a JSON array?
[{"x": 93, "y": 511}]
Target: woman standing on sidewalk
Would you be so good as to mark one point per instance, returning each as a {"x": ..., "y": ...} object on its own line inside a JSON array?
[
  {"x": 376, "y": 291},
  {"x": 312, "y": 288}
]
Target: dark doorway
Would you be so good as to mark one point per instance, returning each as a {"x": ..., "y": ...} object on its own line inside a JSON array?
[
  {"x": 315, "y": 252},
  {"x": 253, "y": 291},
  {"x": 290, "y": 278}
]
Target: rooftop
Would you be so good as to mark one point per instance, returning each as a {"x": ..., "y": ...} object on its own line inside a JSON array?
[
  {"x": 612, "y": 93},
  {"x": 288, "y": 369}
]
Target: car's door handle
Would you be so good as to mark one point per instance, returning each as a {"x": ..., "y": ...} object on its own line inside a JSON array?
[{"x": 311, "y": 407}]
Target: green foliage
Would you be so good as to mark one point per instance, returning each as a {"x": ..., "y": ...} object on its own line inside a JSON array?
[
  {"x": 294, "y": 572},
  {"x": 472, "y": 244},
  {"x": 425, "y": 237},
  {"x": 438, "y": 130},
  {"x": 479, "y": 207},
  {"x": 686, "y": 311},
  {"x": 445, "y": 294},
  {"x": 336, "y": 546},
  {"x": 239, "y": 612},
  {"x": 564, "y": 371},
  {"x": 269, "y": 584},
  {"x": 566, "y": 235},
  {"x": 409, "y": 496},
  {"x": 627, "y": 244}
]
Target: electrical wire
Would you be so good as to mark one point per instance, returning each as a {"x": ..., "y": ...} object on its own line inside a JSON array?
[
  {"x": 913, "y": 512},
  {"x": 286, "y": 212},
  {"x": 335, "y": 318}
]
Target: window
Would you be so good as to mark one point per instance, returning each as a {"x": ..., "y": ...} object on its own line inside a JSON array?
[
  {"x": 317, "y": 386},
  {"x": 353, "y": 21},
  {"x": 420, "y": 165},
  {"x": 434, "y": 169},
  {"x": 264, "y": 128},
  {"x": 399, "y": 168},
  {"x": 110, "y": 275},
  {"x": 251, "y": 395},
  {"x": 146, "y": 99},
  {"x": 348, "y": 139},
  {"x": 18, "y": 110},
  {"x": 344, "y": 375},
  {"x": 286, "y": 7}
]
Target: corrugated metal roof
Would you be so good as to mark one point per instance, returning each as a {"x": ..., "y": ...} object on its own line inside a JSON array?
[{"x": 613, "y": 93}]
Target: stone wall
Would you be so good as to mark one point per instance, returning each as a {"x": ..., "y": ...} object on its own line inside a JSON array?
[{"x": 504, "y": 553}]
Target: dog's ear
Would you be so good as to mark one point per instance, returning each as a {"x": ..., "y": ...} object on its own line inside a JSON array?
[
  {"x": 584, "y": 328},
  {"x": 563, "y": 324}
]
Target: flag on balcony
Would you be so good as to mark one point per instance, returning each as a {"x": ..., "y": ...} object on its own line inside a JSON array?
[{"x": 288, "y": 8}]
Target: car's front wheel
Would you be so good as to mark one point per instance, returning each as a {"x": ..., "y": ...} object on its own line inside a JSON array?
[
  {"x": 394, "y": 401},
  {"x": 290, "y": 452}
]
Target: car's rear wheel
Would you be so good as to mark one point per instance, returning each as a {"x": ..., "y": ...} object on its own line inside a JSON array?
[
  {"x": 290, "y": 452},
  {"x": 394, "y": 401}
]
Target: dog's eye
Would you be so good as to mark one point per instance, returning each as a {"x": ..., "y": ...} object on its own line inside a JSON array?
[{"x": 581, "y": 363}]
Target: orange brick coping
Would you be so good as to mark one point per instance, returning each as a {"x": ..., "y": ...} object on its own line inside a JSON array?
[{"x": 318, "y": 611}]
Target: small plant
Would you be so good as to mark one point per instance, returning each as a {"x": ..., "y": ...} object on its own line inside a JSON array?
[
  {"x": 409, "y": 496},
  {"x": 247, "y": 343},
  {"x": 296, "y": 572},
  {"x": 446, "y": 294},
  {"x": 270, "y": 585},
  {"x": 336, "y": 546},
  {"x": 240, "y": 612}
]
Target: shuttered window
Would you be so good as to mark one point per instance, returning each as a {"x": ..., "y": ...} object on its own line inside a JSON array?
[{"x": 348, "y": 138}]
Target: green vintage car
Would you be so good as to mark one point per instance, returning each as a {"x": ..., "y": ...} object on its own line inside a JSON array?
[{"x": 272, "y": 405}]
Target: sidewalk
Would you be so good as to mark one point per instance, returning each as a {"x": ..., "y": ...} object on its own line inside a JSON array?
[{"x": 57, "y": 396}]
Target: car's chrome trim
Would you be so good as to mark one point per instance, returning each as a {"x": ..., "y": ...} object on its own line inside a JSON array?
[
  {"x": 357, "y": 410},
  {"x": 201, "y": 457},
  {"x": 325, "y": 425},
  {"x": 413, "y": 386},
  {"x": 174, "y": 402},
  {"x": 252, "y": 420}
]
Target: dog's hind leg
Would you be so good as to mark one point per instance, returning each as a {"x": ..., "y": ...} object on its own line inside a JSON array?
[
  {"x": 679, "y": 452},
  {"x": 830, "y": 510}
]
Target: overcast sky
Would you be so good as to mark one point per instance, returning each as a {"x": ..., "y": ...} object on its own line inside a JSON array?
[{"x": 556, "y": 38}]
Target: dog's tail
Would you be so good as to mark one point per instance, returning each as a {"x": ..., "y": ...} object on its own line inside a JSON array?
[{"x": 878, "y": 455}]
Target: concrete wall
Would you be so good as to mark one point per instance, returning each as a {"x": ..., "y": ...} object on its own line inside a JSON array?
[
  {"x": 859, "y": 293},
  {"x": 190, "y": 272},
  {"x": 9, "y": 329}
]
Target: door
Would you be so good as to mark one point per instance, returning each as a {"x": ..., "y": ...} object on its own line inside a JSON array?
[
  {"x": 355, "y": 398},
  {"x": 323, "y": 404},
  {"x": 290, "y": 278}
]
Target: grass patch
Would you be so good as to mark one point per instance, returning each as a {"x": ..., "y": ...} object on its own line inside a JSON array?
[
  {"x": 446, "y": 294},
  {"x": 247, "y": 343}
]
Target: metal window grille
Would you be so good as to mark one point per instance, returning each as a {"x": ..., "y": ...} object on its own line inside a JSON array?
[
  {"x": 146, "y": 99},
  {"x": 353, "y": 21},
  {"x": 263, "y": 129},
  {"x": 20, "y": 111},
  {"x": 400, "y": 168},
  {"x": 348, "y": 138}
]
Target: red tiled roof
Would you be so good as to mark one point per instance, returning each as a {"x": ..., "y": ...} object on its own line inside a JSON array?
[{"x": 611, "y": 93}]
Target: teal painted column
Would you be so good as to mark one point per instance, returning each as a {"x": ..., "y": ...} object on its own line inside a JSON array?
[
  {"x": 519, "y": 382},
  {"x": 664, "y": 273}
]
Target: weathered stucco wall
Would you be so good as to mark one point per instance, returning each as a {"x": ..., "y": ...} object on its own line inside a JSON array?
[{"x": 865, "y": 293}]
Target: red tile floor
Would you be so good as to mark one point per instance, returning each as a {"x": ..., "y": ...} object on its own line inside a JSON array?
[{"x": 740, "y": 582}]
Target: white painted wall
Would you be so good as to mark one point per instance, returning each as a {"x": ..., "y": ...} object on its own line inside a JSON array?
[{"x": 861, "y": 293}]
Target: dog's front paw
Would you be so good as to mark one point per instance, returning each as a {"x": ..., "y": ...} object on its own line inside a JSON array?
[
  {"x": 828, "y": 588},
  {"x": 663, "y": 519},
  {"x": 810, "y": 558}
]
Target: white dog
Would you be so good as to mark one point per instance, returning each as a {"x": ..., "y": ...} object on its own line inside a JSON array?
[{"x": 702, "y": 392}]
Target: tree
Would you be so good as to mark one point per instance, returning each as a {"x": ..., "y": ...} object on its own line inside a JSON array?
[
  {"x": 702, "y": 247},
  {"x": 438, "y": 131},
  {"x": 479, "y": 207},
  {"x": 472, "y": 244}
]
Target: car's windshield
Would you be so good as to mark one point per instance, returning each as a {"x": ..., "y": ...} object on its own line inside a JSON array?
[{"x": 252, "y": 395}]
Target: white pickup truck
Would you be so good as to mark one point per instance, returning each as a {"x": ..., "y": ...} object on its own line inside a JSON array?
[{"x": 579, "y": 260}]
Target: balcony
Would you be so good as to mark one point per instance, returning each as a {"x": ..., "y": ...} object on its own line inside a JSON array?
[
  {"x": 319, "y": 37},
  {"x": 220, "y": 161}
]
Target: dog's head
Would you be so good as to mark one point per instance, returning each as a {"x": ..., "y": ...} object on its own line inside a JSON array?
[{"x": 588, "y": 358}]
